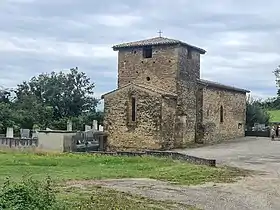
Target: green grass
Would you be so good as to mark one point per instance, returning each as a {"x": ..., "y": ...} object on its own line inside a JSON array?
[
  {"x": 274, "y": 115},
  {"x": 63, "y": 167},
  {"x": 80, "y": 167},
  {"x": 103, "y": 199}
]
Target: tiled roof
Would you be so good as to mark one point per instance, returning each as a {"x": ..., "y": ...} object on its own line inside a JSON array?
[
  {"x": 222, "y": 86},
  {"x": 156, "y": 41}
]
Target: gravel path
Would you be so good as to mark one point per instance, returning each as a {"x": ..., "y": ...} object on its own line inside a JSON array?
[{"x": 260, "y": 192}]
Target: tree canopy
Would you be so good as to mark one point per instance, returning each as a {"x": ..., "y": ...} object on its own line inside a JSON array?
[
  {"x": 49, "y": 100},
  {"x": 273, "y": 103},
  {"x": 255, "y": 113}
]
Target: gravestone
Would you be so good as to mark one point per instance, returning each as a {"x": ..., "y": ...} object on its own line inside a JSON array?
[
  {"x": 94, "y": 125},
  {"x": 35, "y": 134},
  {"x": 10, "y": 132},
  {"x": 25, "y": 133},
  {"x": 87, "y": 127},
  {"x": 69, "y": 125},
  {"x": 100, "y": 128}
]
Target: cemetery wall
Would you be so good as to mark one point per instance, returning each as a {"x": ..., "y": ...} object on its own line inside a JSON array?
[
  {"x": 52, "y": 140},
  {"x": 18, "y": 143}
]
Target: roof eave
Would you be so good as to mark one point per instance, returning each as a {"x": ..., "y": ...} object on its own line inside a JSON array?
[
  {"x": 224, "y": 87},
  {"x": 200, "y": 50}
]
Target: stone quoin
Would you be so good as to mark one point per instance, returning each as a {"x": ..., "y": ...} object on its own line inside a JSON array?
[{"x": 161, "y": 102}]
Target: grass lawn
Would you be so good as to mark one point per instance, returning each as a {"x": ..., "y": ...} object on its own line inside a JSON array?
[
  {"x": 275, "y": 115},
  {"x": 62, "y": 167}
]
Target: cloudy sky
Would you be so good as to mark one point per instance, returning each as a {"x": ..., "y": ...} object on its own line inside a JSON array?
[{"x": 241, "y": 37}]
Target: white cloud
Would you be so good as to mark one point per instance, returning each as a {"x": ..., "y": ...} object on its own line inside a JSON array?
[
  {"x": 55, "y": 48},
  {"x": 116, "y": 20},
  {"x": 241, "y": 37}
]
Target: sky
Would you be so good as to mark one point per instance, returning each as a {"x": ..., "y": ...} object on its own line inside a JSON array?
[{"x": 241, "y": 38}]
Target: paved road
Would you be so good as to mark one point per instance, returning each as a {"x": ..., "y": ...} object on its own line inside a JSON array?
[
  {"x": 256, "y": 153},
  {"x": 257, "y": 192}
]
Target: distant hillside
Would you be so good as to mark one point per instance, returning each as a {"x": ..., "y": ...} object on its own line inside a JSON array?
[{"x": 274, "y": 115}]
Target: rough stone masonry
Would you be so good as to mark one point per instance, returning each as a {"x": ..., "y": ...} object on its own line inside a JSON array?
[{"x": 161, "y": 102}]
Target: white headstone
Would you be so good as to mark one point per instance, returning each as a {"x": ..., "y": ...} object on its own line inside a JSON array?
[
  {"x": 24, "y": 133},
  {"x": 100, "y": 128},
  {"x": 35, "y": 134},
  {"x": 10, "y": 132},
  {"x": 94, "y": 124},
  {"x": 87, "y": 127},
  {"x": 69, "y": 125}
]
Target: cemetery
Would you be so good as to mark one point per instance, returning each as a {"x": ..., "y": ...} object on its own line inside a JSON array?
[{"x": 52, "y": 140}]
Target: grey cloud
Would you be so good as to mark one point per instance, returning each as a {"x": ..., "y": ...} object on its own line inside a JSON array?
[
  {"x": 101, "y": 72},
  {"x": 241, "y": 37}
]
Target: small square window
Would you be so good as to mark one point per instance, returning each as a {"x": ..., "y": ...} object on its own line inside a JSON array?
[
  {"x": 239, "y": 125},
  {"x": 147, "y": 52}
]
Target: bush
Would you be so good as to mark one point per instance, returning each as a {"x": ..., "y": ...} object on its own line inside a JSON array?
[{"x": 29, "y": 194}]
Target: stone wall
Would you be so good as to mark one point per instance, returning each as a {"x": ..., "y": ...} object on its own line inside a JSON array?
[
  {"x": 168, "y": 122},
  {"x": 160, "y": 70},
  {"x": 234, "y": 114},
  {"x": 18, "y": 143},
  {"x": 188, "y": 73},
  {"x": 145, "y": 132},
  {"x": 53, "y": 140},
  {"x": 163, "y": 154},
  {"x": 192, "y": 116},
  {"x": 199, "y": 116}
]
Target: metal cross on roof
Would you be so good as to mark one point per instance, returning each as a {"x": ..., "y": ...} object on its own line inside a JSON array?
[{"x": 160, "y": 32}]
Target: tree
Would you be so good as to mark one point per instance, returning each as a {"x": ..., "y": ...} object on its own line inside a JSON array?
[
  {"x": 277, "y": 77},
  {"x": 32, "y": 112},
  {"x": 7, "y": 117},
  {"x": 50, "y": 100},
  {"x": 69, "y": 94},
  {"x": 5, "y": 95},
  {"x": 255, "y": 113},
  {"x": 55, "y": 98}
]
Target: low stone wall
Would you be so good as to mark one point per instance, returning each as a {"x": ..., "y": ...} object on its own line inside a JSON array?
[
  {"x": 258, "y": 133},
  {"x": 173, "y": 155},
  {"x": 18, "y": 143}
]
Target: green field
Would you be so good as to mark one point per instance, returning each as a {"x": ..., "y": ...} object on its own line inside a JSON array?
[
  {"x": 274, "y": 115},
  {"x": 63, "y": 167}
]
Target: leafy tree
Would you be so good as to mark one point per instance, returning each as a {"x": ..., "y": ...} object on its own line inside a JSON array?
[
  {"x": 5, "y": 95},
  {"x": 255, "y": 113},
  {"x": 274, "y": 102},
  {"x": 7, "y": 117},
  {"x": 69, "y": 94},
  {"x": 277, "y": 78},
  {"x": 30, "y": 112},
  {"x": 50, "y": 100}
]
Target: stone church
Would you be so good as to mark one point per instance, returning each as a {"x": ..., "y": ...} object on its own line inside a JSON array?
[{"x": 162, "y": 103}]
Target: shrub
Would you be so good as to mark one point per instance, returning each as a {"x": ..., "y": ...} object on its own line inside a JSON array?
[{"x": 29, "y": 194}]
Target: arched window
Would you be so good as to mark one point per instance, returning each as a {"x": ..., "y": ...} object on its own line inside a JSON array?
[
  {"x": 133, "y": 109},
  {"x": 221, "y": 114}
]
